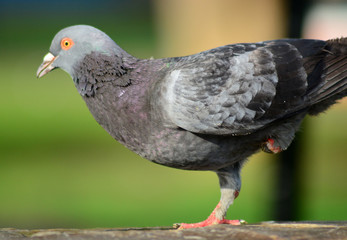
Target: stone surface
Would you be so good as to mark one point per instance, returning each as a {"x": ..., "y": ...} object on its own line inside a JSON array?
[{"x": 263, "y": 231}]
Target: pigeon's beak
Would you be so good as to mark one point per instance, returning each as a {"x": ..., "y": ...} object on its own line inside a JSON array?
[{"x": 46, "y": 65}]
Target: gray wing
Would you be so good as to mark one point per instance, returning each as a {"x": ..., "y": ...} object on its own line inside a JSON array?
[{"x": 235, "y": 89}]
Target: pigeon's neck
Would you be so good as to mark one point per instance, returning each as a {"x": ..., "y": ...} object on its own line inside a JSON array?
[
  {"x": 96, "y": 69},
  {"x": 125, "y": 111}
]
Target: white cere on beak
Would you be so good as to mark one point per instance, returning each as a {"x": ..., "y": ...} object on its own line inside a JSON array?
[{"x": 48, "y": 57}]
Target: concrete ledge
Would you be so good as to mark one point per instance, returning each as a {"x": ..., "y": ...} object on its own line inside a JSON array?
[{"x": 265, "y": 230}]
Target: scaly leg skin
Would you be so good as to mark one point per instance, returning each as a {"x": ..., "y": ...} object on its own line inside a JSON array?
[{"x": 230, "y": 184}]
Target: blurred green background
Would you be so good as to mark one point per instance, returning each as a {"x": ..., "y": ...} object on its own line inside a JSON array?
[{"x": 59, "y": 168}]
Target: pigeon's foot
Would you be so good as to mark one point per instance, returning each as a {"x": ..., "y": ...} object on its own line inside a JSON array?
[
  {"x": 270, "y": 147},
  {"x": 211, "y": 220}
]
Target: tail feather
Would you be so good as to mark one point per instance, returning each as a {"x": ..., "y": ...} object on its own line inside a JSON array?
[
  {"x": 332, "y": 90},
  {"x": 334, "y": 80},
  {"x": 331, "y": 66},
  {"x": 339, "y": 65}
]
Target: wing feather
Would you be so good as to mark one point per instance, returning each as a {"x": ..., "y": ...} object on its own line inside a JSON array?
[{"x": 234, "y": 89}]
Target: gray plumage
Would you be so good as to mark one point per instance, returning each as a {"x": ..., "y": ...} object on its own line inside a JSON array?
[{"x": 208, "y": 111}]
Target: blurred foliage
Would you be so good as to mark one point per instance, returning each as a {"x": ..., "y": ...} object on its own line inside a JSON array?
[{"x": 59, "y": 168}]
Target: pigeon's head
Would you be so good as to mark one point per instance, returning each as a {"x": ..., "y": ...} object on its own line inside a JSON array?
[{"x": 72, "y": 44}]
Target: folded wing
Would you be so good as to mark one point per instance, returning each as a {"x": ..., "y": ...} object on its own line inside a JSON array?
[{"x": 237, "y": 89}]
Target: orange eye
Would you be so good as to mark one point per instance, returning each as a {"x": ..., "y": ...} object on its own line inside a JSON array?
[{"x": 66, "y": 43}]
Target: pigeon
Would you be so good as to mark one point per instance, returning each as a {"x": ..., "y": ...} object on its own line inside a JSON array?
[{"x": 207, "y": 111}]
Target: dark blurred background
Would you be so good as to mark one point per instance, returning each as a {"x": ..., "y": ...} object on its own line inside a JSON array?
[{"x": 59, "y": 168}]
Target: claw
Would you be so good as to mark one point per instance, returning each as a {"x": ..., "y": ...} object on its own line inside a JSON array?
[{"x": 243, "y": 222}]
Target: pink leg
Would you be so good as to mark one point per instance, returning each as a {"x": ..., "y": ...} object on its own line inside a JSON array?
[{"x": 211, "y": 220}]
